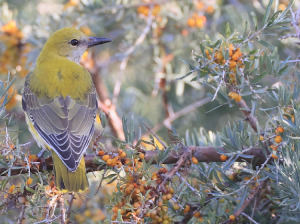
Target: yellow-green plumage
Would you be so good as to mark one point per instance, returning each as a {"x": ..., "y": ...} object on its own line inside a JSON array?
[
  {"x": 69, "y": 181},
  {"x": 59, "y": 100}
]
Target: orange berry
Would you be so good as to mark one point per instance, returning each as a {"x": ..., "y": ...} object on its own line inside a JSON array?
[
  {"x": 200, "y": 21},
  {"x": 142, "y": 155},
  {"x": 274, "y": 156},
  {"x": 160, "y": 204},
  {"x": 281, "y": 7},
  {"x": 232, "y": 64},
  {"x": 261, "y": 138},
  {"x": 278, "y": 139},
  {"x": 210, "y": 9},
  {"x": 110, "y": 162},
  {"x": 136, "y": 205},
  {"x": 220, "y": 56},
  {"x": 223, "y": 157},
  {"x": 123, "y": 154},
  {"x": 169, "y": 196},
  {"x": 231, "y": 177},
  {"x": 143, "y": 10},
  {"x": 186, "y": 209},
  {"x": 235, "y": 56},
  {"x": 197, "y": 214},
  {"x": 279, "y": 129},
  {"x": 29, "y": 181},
  {"x": 194, "y": 160},
  {"x": 101, "y": 153},
  {"x": 238, "y": 98},
  {"x": 156, "y": 10},
  {"x": 191, "y": 22},
  {"x": 273, "y": 147},
  {"x": 106, "y": 157},
  {"x": 232, "y": 217},
  {"x": 185, "y": 32}
]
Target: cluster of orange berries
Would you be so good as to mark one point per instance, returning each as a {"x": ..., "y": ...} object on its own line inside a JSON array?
[
  {"x": 207, "y": 8},
  {"x": 17, "y": 189},
  {"x": 235, "y": 57},
  {"x": 11, "y": 36},
  {"x": 111, "y": 161},
  {"x": 133, "y": 191},
  {"x": 196, "y": 20},
  {"x": 144, "y": 10},
  {"x": 278, "y": 139}
]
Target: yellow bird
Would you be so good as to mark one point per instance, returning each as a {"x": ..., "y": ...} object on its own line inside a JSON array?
[{"x": 59, "y": 100}]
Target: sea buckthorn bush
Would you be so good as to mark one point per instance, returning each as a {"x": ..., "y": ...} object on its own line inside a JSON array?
[{"x": 198, "y": 113}]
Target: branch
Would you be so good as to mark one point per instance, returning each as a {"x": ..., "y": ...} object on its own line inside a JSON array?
[
  {"x": 248, "y": 115},
  {"x": 62, "y": 209},
  {"x": 167, "y": 122},
  {"x": 250, "y": 198},
  {"x": 202, "y": 153},
  {"x": 22, "y": 214},
  {"x": 72, "y": 196},
  {"x": 126, "y": 55}
]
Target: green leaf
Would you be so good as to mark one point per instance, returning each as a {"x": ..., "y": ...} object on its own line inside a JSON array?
[
  {"x": 268, "y": 10},
  {"x": 266, "y": 44},
  {"x": 246, "y": 26},
  {"x": 103, "y": 118},
  {"x": 259, "y": 77},
  {"x": 254, "y": 19},
  {"x": 227, "y": 30}
]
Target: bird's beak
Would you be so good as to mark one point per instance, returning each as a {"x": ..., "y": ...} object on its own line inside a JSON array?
[{"x": 93, "y": 41}]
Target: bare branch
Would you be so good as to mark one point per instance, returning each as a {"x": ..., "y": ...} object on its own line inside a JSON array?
[
  {"x": 22, "y": 214},
  {"x": 72, "y": 196},
  {"x": 127, "y": 54},
  {"x": 62, "y": 209}
]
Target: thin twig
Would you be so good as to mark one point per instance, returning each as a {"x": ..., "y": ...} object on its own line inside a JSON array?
[
  {"x": 249, "y": 198},
  {"x": 163, "y": 144},
  {"x": 127, "y": 54},
  {"x": 72, "y": 196},
  {"x": 251, "y": 220},
  {"x": 22, "y": 214},
  {"x": 167, "y": 122},
  {"x": 102, "y": 178},
  {"x": 62, "y": 209},
  {"x": 193, "y": 189}
]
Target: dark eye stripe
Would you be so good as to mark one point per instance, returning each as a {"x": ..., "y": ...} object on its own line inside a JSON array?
[{"x": 74, "y": 42}]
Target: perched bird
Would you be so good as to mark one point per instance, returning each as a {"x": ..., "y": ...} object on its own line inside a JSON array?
[{"x": 59, "y": 100}]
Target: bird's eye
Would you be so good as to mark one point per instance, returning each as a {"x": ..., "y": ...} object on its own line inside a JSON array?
[{"x": 74, "y": 42}]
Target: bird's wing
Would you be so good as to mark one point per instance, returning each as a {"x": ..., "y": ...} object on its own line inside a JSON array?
[{"x": 65, "y": 124}]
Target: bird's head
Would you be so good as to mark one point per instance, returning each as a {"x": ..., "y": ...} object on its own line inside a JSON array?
[{"x": 70, "y": 43}]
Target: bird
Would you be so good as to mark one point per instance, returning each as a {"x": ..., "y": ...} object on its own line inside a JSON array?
[{"x": 60, "y": 105}]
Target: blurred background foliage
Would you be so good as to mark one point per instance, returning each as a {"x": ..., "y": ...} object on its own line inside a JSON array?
[{"x": 148, "y": 87}]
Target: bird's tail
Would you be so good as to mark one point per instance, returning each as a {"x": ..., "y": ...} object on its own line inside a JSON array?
[{"x": 67, "y": 181}]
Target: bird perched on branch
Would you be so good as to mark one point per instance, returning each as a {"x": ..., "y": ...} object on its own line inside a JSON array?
[{"x": 59, "y": 100}]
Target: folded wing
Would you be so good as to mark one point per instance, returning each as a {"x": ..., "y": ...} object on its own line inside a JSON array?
[{"x": 65, "y": 124}]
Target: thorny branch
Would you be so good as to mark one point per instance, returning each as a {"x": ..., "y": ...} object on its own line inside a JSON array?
[{"x": 202, "y": 153}]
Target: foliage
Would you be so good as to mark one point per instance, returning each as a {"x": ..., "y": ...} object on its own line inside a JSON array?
[{"x": 245, "y": 171}]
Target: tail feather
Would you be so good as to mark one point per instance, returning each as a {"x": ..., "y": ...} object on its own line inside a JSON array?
[{"x": 67, "y": 181}]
